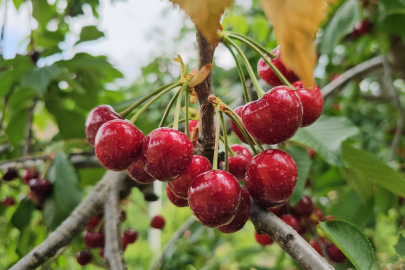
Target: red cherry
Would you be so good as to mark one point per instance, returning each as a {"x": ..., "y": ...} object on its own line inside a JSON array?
[
  {"x": 335, "y": 254},
  {"x": 10, "y": 174},
  {"x": 268, "y": 75},
  {"x": 131, "y": 235},
  {"x": 238, "y": 163},
  {"x": 263, "y": 239},
  {"x": 93, "y": 239},
  {"x": 9, "y": 201},
  {"x": 29, "y": 174},
  {"x": 311, "y": 101},
  {"x": 158, "y": 222},
  {"x": 84, "y": 257},
  {"x": 311, "y": 153},
  {"x": 362, "y": 28},
  {"x": 198, "y": 166},
  {"x": 118, "y": 144},
  {"x": 124, "y": 242},
  {"x": 304, "y": 207},
  {"x": 96, "y": 118},
  {"x": 93, "y": 223},
  {"x": 214, "y": 197},
  {"x": 235, "y": 128},
  {"x": 191, "y": 125},
  {"x": 40, "y": 187},
  {"x": 315, "y": 245},
  {"x": 101, "y": 252},
  {"x": 316, "y": 217},
  {"x": 291, "y": 221},
  {"x": 275, "y": 117},
  {"x": 271, "y": 177},
  {"x": 137, "y": 173},
  {"x": 242, "y": 215},
  {"x": 279, "y": 210},
  {"x": 179, "y": 202},
  {"x": 166, "y": 154},
  {"x": 123, "y": 215}
]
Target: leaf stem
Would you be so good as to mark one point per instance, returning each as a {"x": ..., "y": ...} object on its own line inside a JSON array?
[
  {"x": 216, "y": 149},
  {"x": 180, "y": 121},
  {"x": 187, "y": 120},
  {"x": 225, "y": 140},
  {"x": 250, "y": 42},
  {"x": 168, "y": 108},
  {"x": 178, "y": 105}
]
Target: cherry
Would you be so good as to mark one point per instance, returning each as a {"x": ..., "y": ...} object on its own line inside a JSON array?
[
  {"x": 29, "y": 174},
  {"x": 137, "y": 173},
  {"x": 361, "y": 28},
  {"x": 242, "y": 215},
  {"x": 96, "y": 118},
  {"x": 10, "y": 174},
  {"x": 9, "y": 201},
  {"x": 118, "y": 144},
  {"x": 271, "y": 177},
  {"x": 192, "y": 124},
  {"x": 291, "y": 221},
  {"x": 275, "y": 117},
  {"x": 311, "y": 153},
  {"x": 311, "y": 101},
  {"x": 177, "y": 201},
  {"x": 268, "y": 75},
  {"x": 101, "y": 252},
  {"x": 238, "y": 163},
  {"x": 131, "y": 235},
  {"x": 279, "y": 210},
  {"x": 93, "y": 239},
  {"x": 303, "y": 226},
  {"x": 235, "y": 128},
  {"x": 40, "y": 187},
  {"x": 315, "y": 245},
  {"x": 335, "y": 254},
  {"x": 84, "y": 257},
  {"x": 198, "y": 166},
  {"x": 166, "y": 154},
  {"x": 123, "y": 215},
  {"x": 263, "y": 239},
  {"x": 304, "y": 207},
  {"x": 214, "y": 197},
  {"x": 93, "y": 223},
  {"x": 124, "y": 242},
  {"x": 316, "y": 216},
  {"x": 158, "y": 222}
]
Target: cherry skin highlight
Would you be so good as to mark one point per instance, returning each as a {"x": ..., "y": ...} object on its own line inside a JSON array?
[
  {"x": 268, "y": 75},
  {"x": 93, "y": 239},
  {"x": 271, "y": 177},
  {"x": 29, "y": 174},
  {"x": 166, "y": 154},
  {"x": 214, "y": 198},
  {"x": 131, "y": 235},
  {"x": 263, "y": 239},
  {"x": 118, "y": 145},
  {"x": 40, "y": 187},
  {"x": 304, "y": 207},
  {"x": 177, "y": 201},
  {"x": 10, "y": 174},
  {"x": 158, "y": 222},
  {"x": 242, "y": 215},
  {"x": 137, "y": 173},
  {"x": 84, "y": 257},
  {"x": 238, "y": 163},
  {"x": 311, "y": 101},
  {"x": 335, "y": 254},
  {"x": 235, "y": 128},
  {"x": 291, "y": 221},
  {"x": 275, "y": 117},
  {"x": 96, "y": 118},
  {"x": 192, "y": 124},
  {"x": 198, "y": 166}
]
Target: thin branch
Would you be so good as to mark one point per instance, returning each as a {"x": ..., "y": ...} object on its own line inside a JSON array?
[{"x": 27, "y": 136}]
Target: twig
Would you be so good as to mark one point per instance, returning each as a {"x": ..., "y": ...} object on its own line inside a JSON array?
[
  {"x": 48, "y": 264},
  {"x": 312, "y": 230},
  {"x": 27, "y": 136},
  {"x": 168, "y": 247},
  {"x": 113, "y": 246}
]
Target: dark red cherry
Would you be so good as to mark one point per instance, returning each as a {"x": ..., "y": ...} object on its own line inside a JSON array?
[
  {"x": 238, "y": 163},
  {"x": 311, "y": 153},
  {"x": 192, "y": 124},
  {"x": 101, "y": 252},
  {"x": 316, "y": 246},
  {"x": 316, "y": 217},
  {"x": 263, "y": 239},
  {"x": 198, "y": 166},
  {"x": 311, "y": 101},
  {"x": 96, "y": 118},
  {"x": 10, "y": 174},
  {"x": 118, "y": 145},
  {"x": 93, "y": 239},
  {"x": 304, "y": 207},
  {"x": 268, "y": 75},
  {"x": 177, "y": 201},
  {"x": 123, "y": 215},
  {"x": 275, "y": 117},
  {"x": 131, "y": 235},
  {"x": 137, "y": 173},
  {"x": 29, "y": 174},
  {"x": 235, "y": 128},
  {"x": 84, "y": 257},
  {"x": 214, "y": 197},
  {"x": 271, "y": 177},
  {"x": 9, "y": 201},
  {"x": 158, "y": 222},
  {"x": 335, "y": 254},
  {"x": 124, "y": 242},
  {"x": 93, "y": 223},
  {"x": 279, "y": 210},
  {"x": 242, "y": 215},
  {"x": 40, "y": 187},
  {"x": 291, "y": 221},
  {"x": 362, "y": 28},
  {"x": 166, "y": 154}
]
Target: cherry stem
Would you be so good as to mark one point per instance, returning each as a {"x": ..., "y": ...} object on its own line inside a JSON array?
[
  {"x": 178, "y": 106},
  {"x": 216, "y": 149},
  {"x": 245, "y": 61},
  {"x": 180, "y": 121},
  {"x": 241, "y": 75},
  {"x": 168, "y": 108},
  {"x": 136, "y": 116},
  {"x": 250, "y": 42},
  {"x": 233, "y": 153},
  {"x": 225, "y": 140},
  {"x": 123, "y": 114},
  {"x": 242, "y": 130},
  {"x": 187, "y": 120}
]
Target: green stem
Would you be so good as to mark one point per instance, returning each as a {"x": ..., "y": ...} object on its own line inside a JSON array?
[
  {"x": 218, "y": 122},
  {"x": 241, "y": 75},
  {"x": 221, "y": 117},
  {"x": 233, "y": 153},
  {"x": 187, "y": 120},
  {"x": 178, "y": 106},
  {"x": 136, "y": 116},
  {"x": 123, "y": 114},
  {"x": 242, "y": 130},
  {"x": 167, "y": 111},
  {"x": 250, "y": 42},
  {"x": 180, "y": 121},
  {"x": 245, "y": 61}
]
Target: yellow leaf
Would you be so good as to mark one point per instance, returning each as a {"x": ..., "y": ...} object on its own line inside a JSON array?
[
  {"x": 295, "y": 23},
  {"x": 205, "y": 14}
]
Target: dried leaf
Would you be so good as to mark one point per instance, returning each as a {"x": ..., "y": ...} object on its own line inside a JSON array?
[
  {"x": 201, "y": 75},
  {"x": 205, "y": 14},
  {"x": 295, "y": 23}
]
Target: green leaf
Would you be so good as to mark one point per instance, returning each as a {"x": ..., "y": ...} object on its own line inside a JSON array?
[
  {"x": 65, "y": 193},
  {"x": 325, "y": 137},
  {"x": 390, "y": 24},
  {"x": 384, "y": 200},
  {"x": 330, "y": 179},
  {"x": 303, "y": 162},
  {"x": 39, "y": 78},
  {"x": 373, "y": 169},
  {"x": 393, "y": 6},
  {"x": 22, "y": 216},
  {"x": 17, "y": 3},
  {"x": 352, "y": 242},
  {"x": 342, "y": 23},
  {"x": 89, "y": 33},
  {"x": 400, "y": 246},
  {"x": 16, "y": 128},
  {"x": 358, "y": 181}
]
